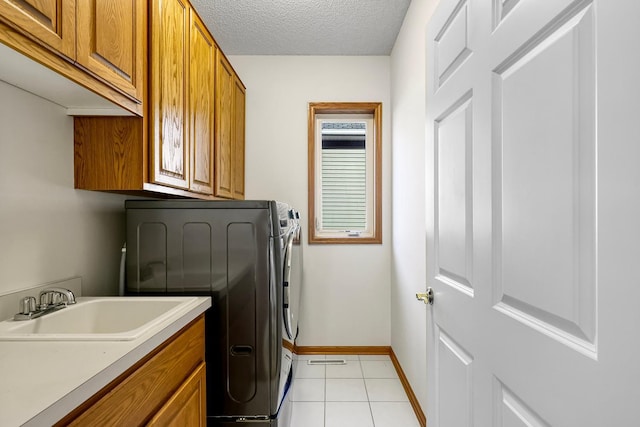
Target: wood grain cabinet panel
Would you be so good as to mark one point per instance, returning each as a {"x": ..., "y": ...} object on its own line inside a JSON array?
[
  {"x": 172, "y": 375},
  {"x": 191, "y": 143},
  {"x": 52, "y": 22},
  {"x": 111, "y": 42},
  {"x": 108, "y": 153},
  {"x": 224, "y": 127},
  {"x": 238, "y": 139},
  {"x": 201, "y": 106},
  {"x": 169, "y": 103},
  {"x": 188, "y": 405}
]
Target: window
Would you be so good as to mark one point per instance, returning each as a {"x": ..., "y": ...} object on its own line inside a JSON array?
[{"x": 345, "y": 172}]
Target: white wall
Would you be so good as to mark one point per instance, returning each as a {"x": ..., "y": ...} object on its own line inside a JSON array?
[
  {"x": 48, "y": 230},
  {"x": 408, "y": 316},
  {"x": 345, "y": 298}
]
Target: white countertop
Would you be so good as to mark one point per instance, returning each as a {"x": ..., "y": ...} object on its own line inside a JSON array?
[{"x": 42, "y": 381}]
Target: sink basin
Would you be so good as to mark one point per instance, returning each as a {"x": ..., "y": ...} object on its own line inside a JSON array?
[{"x": 97, "y": 319}]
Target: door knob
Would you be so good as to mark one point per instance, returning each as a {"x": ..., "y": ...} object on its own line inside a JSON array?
[{"x": 426, "y": 297}]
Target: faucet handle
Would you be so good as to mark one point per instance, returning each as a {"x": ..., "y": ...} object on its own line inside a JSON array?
[
  {"x": 55, "y": 298},
  {"x": 27, "y": 305},
  {"x": 56, "y": 295}
]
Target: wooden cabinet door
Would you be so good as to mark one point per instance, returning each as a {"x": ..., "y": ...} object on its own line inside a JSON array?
[
  {"x": 169, "y": 66},
  {"x": 50, "y": 21},
  {"x": 111, "y": 42},
  {"x": 238, "y": 139},
  {"x": 224, "y": 127},
  {"x": 201, "y": 106},
  {"x": 187, "y": 406},
  {"x": 156, "y": 382}
]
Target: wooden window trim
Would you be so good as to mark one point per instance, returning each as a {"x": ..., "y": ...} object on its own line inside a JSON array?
[{"x": 374, "y": 108}]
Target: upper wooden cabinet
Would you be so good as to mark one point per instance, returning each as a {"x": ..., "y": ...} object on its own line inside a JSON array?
[
  {"x": 191, "y": 142},
  {"x": 99, "y": 44},
  {"x": 111, "y": 36},
  {"x": 168, "y": 89},
  {"x": 52, "y": 22},
  {"x": 230, "y": 122},
  {"x": 182, "y": 98},
  {"x": 238, "y": 139},
  {"x": 201, "y": 106},
  {"x": 224, "y": 127}
]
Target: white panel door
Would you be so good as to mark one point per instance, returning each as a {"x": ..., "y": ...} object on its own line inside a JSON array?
[{"x": 533, "y": 216}]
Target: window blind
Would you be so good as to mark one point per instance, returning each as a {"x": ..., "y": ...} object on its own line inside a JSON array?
[{"x": 344, "y": 202}]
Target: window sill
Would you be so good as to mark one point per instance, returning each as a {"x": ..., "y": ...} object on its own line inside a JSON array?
[{"x": 345, "y": 240}]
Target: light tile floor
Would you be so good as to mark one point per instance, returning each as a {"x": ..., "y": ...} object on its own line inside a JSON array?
[{"x": 366, "y": 392}]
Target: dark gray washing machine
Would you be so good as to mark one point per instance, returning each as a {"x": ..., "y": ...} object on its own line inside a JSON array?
[{"x": 239, "y": 253}]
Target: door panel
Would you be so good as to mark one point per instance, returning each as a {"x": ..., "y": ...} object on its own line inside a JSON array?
[
  {"x": 512, "y": 412},
  {"x": 111, "y": 42},
  {"x": 451, "y": 45},
  {"x": 501, "y": 9},
  {"x": 454, "y": 367},
  {"x": 532, "y": 247},
  {"x": 169, "y": 62},
  {"x": 454, "y": 199},
  {"x": 544, "y": 189},
  {"x": 53, "y": 22},
  {"x": 224, "y": 127},
  {"x": 187, "y": 406},
  {"x": 201, "y": 99},
  {"x": 238, "y": 139}
]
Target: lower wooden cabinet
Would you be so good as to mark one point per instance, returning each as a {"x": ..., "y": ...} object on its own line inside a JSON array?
[
  {"x": 187, "y": 407},
  {"x": 165, "y": 389}
]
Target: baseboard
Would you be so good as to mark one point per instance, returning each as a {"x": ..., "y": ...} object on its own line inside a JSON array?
[
  {"x": 342, "y": 349},
  {"x": 386, "y": 350},
  {"x": 413, "y": 400},
  {"x": 286, "y": 344}
]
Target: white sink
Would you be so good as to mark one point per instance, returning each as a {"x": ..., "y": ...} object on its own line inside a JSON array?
[{"x": 97, "y": 319}]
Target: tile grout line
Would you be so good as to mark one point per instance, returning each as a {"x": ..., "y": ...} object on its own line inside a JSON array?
[
  {"x": 324, "y": 404},
  {"x": 373, "y": 421}
]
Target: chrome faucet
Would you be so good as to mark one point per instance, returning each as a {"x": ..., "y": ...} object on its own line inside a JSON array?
[
  {"x": 53, "y": 296},
  {"x": 50, "y": 300}
]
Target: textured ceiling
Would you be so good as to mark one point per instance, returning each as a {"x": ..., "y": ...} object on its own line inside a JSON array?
[{"x": 303, "y": 27}]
